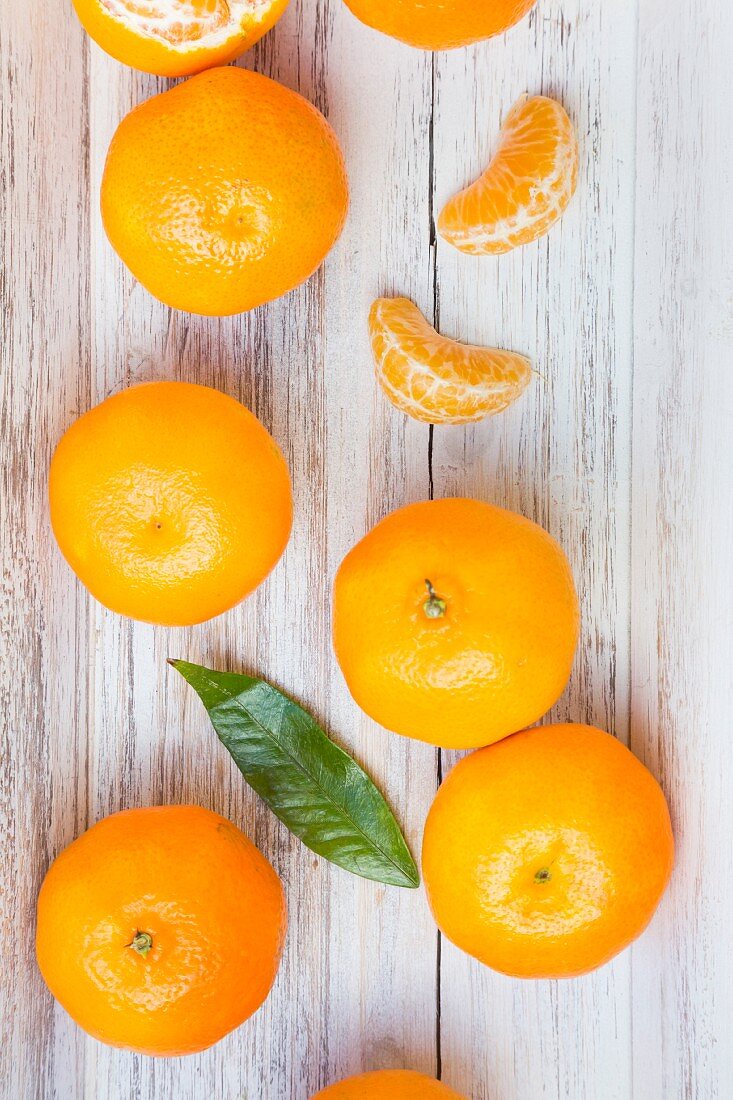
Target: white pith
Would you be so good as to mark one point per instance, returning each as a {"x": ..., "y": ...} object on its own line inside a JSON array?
[
  {"x": 406, "y": 344},
  {"x": 156, "y": 19}
]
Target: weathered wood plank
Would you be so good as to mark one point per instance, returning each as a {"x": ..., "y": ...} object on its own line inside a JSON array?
[
  {"x": 682, "y": 599},
  {"x": 44, "y": 377},
  {"x": 302, "y": 365},
  {"x": 560, "y": 456}
]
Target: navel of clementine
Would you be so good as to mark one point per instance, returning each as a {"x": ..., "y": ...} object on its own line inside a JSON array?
[
  {"x": 547, "y": 854},
  {"x": 388, "y": 1084},
  {"x": 455, "y": 622},
  {"x": 177, "y": 37},
  {"x": 440, "y": 24},
  {"x": 160, "y": 930},
  {"x": 170, "y": 501},
  {"x": 223, "y": 193}
]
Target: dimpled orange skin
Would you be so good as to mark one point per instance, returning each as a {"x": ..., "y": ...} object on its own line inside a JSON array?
[
  {"x": 207, "y": 898},
  {"x": 157, "y": 49},
  {"x": 223, "y": 193},
  {"x": 548, "y": 853},
  {"x": 170, "y": 501},
  {"x": 440, "y": 24},
  {"x": 497, "y": 658},
  {"x": 389, "y": 1084}
]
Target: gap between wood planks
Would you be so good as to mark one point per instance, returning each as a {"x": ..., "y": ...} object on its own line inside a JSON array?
[{"x": 433, "y": 253}]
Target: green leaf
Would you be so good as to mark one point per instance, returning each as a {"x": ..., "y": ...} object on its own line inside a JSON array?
[{"x": 312, "y": 785}]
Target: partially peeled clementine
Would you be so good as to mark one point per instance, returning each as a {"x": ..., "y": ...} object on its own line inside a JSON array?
[{"x": 177, "y": 37}]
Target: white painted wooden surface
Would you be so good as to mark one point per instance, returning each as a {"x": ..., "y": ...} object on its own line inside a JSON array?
[{"x": 624, "y": 450}]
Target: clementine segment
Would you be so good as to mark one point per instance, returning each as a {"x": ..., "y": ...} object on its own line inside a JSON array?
[
  {"x": 389, "y": 1084},
  {"x": 223, "y": 193},
  {"x": 170, "y": 501},
  {"x": 455, "y": 622},
  {"x": 437, "y": 380},
  {"x": 440, "y": 24},
  {"x": 177, "y": 37},
  {"x": 160, "y": 930},
  {"x": 547, "y": 854},
  {"x": 525, "y": 189}
]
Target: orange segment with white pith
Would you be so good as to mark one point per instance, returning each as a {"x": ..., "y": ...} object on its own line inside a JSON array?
[
  {"x": 177, "y": 37},
  {"x": 435, "y": 379},
  {"x": 525, "y": 188}
]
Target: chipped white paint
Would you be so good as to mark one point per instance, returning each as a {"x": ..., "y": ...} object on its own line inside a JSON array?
[{"x": 623, "y": 449}]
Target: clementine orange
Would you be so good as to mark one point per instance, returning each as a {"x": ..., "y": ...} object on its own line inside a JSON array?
[
  {"x": 388, "y": 1084},
  {"x": 224, "y": 192},
  {"x": 455, "y": 622},
  {"x": 547, "y": 854},
  {"x": 525, "y": 189},
  {"x": 160, "y": 930},
  {"x": 440, "y": 24},
  {"x": 437, "y": 380},
  {"x": 170, "y": 501},
  {"x": 177, "y": 37}
]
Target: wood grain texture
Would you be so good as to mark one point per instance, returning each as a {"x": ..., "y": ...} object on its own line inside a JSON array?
[
  {"x": 560, "y": 456},
  {"x": 682, "y": 544},
  {"x": 623, "y": 448}
]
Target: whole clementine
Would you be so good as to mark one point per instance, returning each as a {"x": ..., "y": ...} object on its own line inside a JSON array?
[
  {"x": 547, "y": 854},
  {"x": 440, "y": 24},
  {"x": 455, "y": 622},
  {"x": 388, "y": 1084},
  {"x": 170, "y": 501},
  {"x": 160, "y": 930},
  {"x": 224, "y": 192},
  {"x": 177, "y": 37}
]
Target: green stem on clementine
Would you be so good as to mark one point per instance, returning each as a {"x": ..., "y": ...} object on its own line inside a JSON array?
[
  {"x": 543, "y": 875},
  {"x": 141, "y": 942},
  {"x": 433, "y": 607}
]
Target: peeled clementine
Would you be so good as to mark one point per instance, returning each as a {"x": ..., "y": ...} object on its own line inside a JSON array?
[
  {"x": 455, "y": 622},
  {"x": 437, "y": 380},
  {"x": 170, "y": 501},
  {"x": 160, "y": 930},
  {"x": 440, "y": 24},
  {"x": 388, "y": 1084},
  {"x": 526, "y": 187},
  {"x": 177, "y": 37},
  {"x": 547, "y": 854},
  {"x": 223, "y": 193}
]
